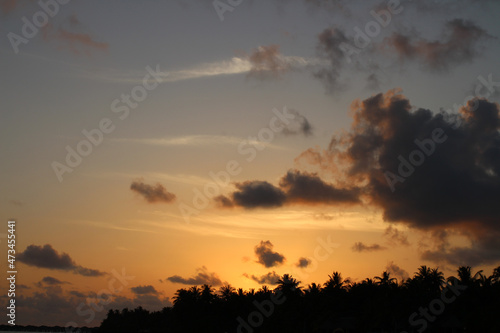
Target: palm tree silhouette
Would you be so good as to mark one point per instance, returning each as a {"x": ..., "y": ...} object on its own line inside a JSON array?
[{"x": 385, "y": 280}]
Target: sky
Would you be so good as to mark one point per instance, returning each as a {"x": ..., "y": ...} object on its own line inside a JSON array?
[{"x": 151, "y": 146}]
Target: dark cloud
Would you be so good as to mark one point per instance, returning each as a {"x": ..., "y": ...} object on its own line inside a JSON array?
[
  {"x": 360, "y": 247},
  {"x": 298, "y": 125},
  {"x": 144, "y": 290},
  {"x": 483, "y": 250},
  {"x": 458, "y": 45},
  {"x": 51, "y": 281},
  {"x": 202, "y": 277},
  {"x": 454, "y": 181},
  {"x": 266, "y": 256},
  {"x": 309, "y": 188},
  {"x": 76, "y": 293},
  {"x": 253, "y": 194},
  {"x": 397, "y": 271},
  {"x": 396, "y": 237},
  {"x": 47, "y": 257},
  {"x": 332, "y": 46},
  {"x": 269, "y": 278},
  {"x": 295, "y": 187},
  {"x": 303, "y": 262},
  {"x": 157, "y": 193},
  {"x": 223, "y": 201},
  {"x": 55, "y": 306}
]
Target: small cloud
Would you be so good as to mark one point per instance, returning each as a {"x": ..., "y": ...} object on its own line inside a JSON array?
[
  {"x": 360, "y": 247},
  {"x": 266, "y": 256},
  {"x": 157, "y": 193},
  {"x": 298, "y": 125},
  {"x": 303, "y": 262},
  {"x": 266, "y": 61},
  {"x": 223, "y": 202},
  {"x": 396, "y": 237},
  {"x": 202, "y": 277},
  {"x": 76, "y": 293},
  {"x": 397, "y": 271},
  {"x": 144, "y": 290},
  {"x": 50, "y": 281},
  {"x": 269, "y": 278},
  {"x": 458, "y": 45}
]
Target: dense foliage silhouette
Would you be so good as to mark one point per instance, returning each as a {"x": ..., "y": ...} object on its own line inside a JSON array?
[{"x": 425, "y": 302}]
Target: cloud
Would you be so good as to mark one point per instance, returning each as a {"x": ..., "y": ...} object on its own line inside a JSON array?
[
  {"x": 56, "y": 306},
  {"x": 269, "y": 278},
  {"x": 266, "y": 256},
  {"x": 267, "y": 61},
  {"x": 298, "y": 125},
  {"x": 331, "y": 45},
  {"x": 157, "y": 193},
  {"x": 295, "y": 187},
  {"x": 8, "y": 5},
  {"x": 252, "y": 194},
  {"x": 308, "y": 188},
  {"x": 47, "y": 257},
  {"x": 455, "y": 182},
  {"x": 223, "y": 202},
  {"x": 458, "y": 45},
  {"x": 397, "y": 271},
  {"x": 303, "y": 262},
  {"x": 202, "y": 277},
  {"x": 396, "y": 237},
  {"x": 69, "y": 36},
  {"x": 482, "y": 250},
  {"x": 360, "y": 247},
  {"x": 144, "y": 290},
  {"x": 50, "y": 281}
]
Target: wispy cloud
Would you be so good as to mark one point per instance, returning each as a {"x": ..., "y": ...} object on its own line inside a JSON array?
[
  {"x": 235, "y": 65},
  {"x": 194, "y": 141}
]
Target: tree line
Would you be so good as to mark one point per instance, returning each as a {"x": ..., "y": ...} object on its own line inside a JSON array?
[{"x": 425, "y": 302}]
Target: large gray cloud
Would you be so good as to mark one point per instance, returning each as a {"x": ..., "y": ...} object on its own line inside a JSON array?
[
  {"x": 452, "y": 182},
  {"x": 47, "y": 257}
]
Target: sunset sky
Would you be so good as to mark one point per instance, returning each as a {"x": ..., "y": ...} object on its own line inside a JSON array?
[{"x": 191, "y": 142}]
